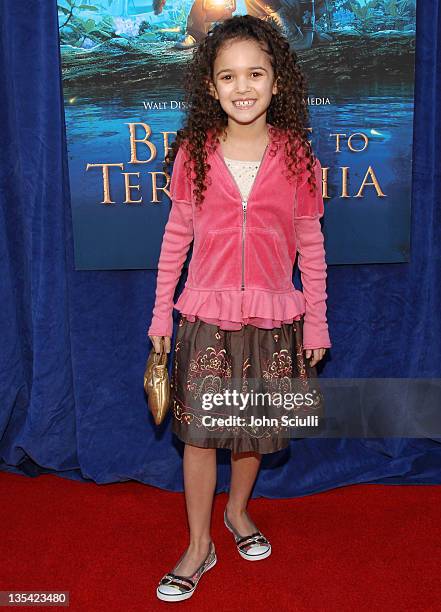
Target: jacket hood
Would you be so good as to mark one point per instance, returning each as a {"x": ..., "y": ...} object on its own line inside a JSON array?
[{"x": 277, "y": 138}]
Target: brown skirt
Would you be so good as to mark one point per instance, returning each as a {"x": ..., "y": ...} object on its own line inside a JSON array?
[{"x": 209, "y": 360}]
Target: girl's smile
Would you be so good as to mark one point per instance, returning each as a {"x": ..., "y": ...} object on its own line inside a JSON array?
[{"x": 244, "y": 104}]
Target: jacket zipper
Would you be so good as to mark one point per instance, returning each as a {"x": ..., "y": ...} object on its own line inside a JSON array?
[
  {"x": 244, "y": 208},
  {"x": 244, "y": 220}
]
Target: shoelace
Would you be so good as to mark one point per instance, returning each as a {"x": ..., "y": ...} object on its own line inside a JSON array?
[{"x": 257, "y": 539}]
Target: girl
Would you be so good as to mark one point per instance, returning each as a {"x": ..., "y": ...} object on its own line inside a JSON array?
[{"x": 247, "y": 189}]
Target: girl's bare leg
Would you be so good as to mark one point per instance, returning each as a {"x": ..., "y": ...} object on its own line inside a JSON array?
[
  {"x": 244, "y": 468},
  {"x": 200, "y": 485}
]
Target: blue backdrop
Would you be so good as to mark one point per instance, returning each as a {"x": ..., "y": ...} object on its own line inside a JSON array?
[{"x": 74, "y": 343}]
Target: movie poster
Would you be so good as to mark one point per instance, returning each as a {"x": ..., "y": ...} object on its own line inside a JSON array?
[{"x": 122, "y": 63}]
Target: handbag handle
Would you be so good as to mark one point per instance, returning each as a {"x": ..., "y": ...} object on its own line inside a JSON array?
[
  {"x": 160, "y": 358},
  {"x": 161, "y": 348}
]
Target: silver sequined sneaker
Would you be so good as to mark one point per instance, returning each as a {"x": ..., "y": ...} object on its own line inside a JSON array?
[
  {"x": 252, "y": 547},
  {"x": 174, "y": 587}
]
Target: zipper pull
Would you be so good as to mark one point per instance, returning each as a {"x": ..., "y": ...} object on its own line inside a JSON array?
[{"x": 244, "y": 205}]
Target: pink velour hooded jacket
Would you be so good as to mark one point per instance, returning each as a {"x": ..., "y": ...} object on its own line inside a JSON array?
[{"x": 244, "y": 251}]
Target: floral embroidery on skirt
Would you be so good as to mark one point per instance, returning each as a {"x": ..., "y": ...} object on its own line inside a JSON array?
[{"x": 209, "y": 360}]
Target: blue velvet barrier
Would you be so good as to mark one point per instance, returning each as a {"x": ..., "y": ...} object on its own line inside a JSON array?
[{"x": 74, "y": 344}]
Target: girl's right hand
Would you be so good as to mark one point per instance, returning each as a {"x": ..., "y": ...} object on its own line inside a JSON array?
[{"x": 156, "y": 341}]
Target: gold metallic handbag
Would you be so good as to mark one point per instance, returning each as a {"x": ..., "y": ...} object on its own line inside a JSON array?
[{"x": 157, "y": 383}]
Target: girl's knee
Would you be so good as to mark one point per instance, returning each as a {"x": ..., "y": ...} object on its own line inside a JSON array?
[{"x": 199, "y": 450}]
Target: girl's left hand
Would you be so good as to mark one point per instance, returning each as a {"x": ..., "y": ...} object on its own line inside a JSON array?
[{"x": 316, "y": 355}]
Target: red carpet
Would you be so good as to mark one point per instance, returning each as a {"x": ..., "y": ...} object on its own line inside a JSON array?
[{"x": 364, "y": 547}]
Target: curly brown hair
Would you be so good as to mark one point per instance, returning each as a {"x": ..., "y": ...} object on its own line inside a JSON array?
[{"x": 288, "y": 110}]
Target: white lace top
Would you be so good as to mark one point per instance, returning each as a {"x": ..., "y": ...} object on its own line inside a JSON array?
[{"x": 244, "y": 173}]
